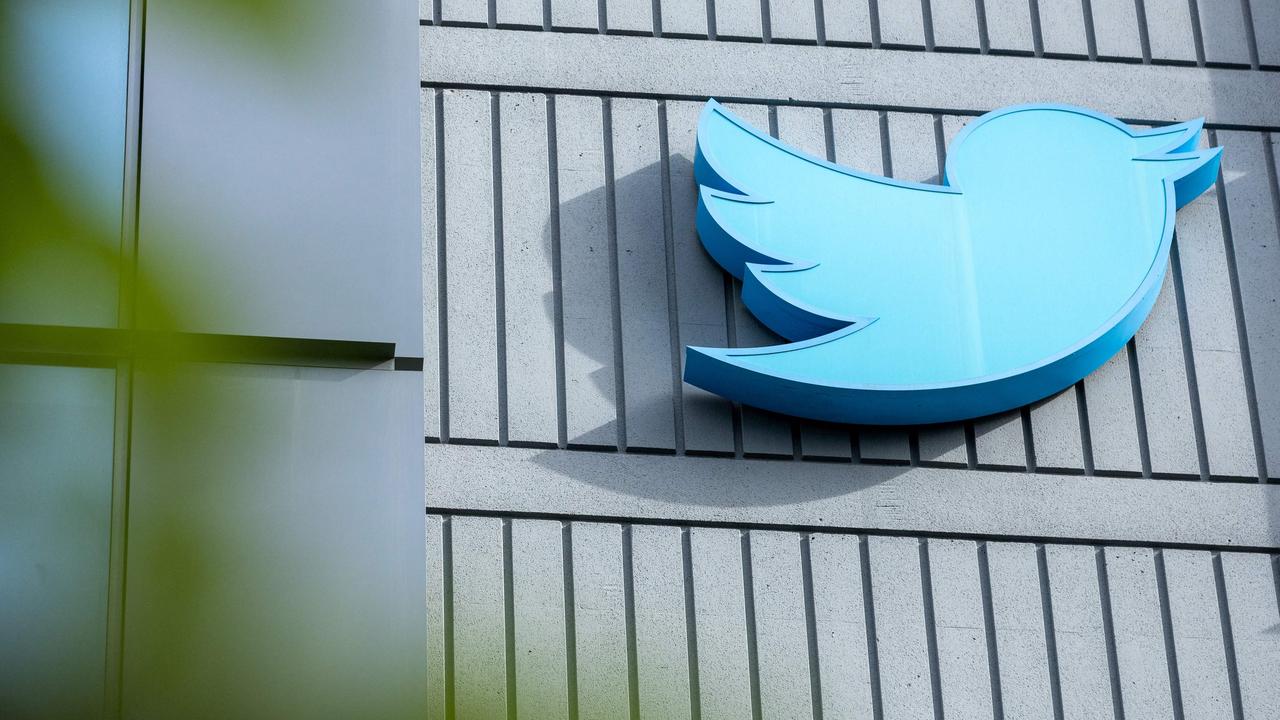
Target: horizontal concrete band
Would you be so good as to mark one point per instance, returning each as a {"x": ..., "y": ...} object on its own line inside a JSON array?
[
  {"x": 851, "y": 497},
  {"x": 841, "y": 76}
]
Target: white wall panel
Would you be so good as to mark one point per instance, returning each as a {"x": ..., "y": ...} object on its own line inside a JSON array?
[
  {"x": 469, "y": 265},
  {"x": 585, "y": 272},
  {"x": 662, "y": 642},
  {"x": 538, "y": 607},
  {"x": 847, "y": 21},
  {"x": 528, "y": 269},
  {"x": 778, "y": 592},
  {"x": 841, "y": 614},
  {"x": 599, "y": 612},
  {"x": 700, "y": 287},
  {"x": 901, "y": 642},
  {"x": 1142, "y": 663},
  {"x": 642, "y": 276},
  {"x": 901, "y": 23},
  {"x": 1248, "y": 585},
  {"x": 724, "y": 673}
]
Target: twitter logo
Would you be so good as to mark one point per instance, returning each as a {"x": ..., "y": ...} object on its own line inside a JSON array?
[{"x": 1035, "y": 260}]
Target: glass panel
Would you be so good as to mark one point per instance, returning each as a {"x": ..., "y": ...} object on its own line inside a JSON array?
[
  {"x": 276, "y": 535},
  {"x": 63, "y": 66},
  {"x": 56, "y": 428},
  {"x": 279, "y": 179}
]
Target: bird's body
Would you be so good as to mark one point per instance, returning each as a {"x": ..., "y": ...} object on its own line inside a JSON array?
[{"x": 908, "y": 303}]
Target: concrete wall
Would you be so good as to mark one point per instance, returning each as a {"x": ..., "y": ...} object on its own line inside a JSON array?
[{"x": 605, "y": 541}]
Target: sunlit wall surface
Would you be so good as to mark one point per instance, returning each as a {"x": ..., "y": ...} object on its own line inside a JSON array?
[
  {"x": 210, "y": 361},
  {"x": 608, "y": 541}
]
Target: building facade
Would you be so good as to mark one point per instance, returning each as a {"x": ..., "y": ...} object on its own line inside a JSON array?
[
  {"x": 606, "y": 541},
  {"x": 264, "y": 250}
]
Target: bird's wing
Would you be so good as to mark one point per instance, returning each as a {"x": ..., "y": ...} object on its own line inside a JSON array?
[{"x": 818, "y": 246}]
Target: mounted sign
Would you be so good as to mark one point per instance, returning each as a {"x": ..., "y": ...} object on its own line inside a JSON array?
[{"x": 1035, "y": 260}]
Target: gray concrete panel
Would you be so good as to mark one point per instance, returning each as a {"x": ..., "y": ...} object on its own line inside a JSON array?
[
  {"x": 1211, "y": 317},
  {"x": 648, "y": 381},
  {"x": 901, "y": 23},
  {"x": 1266, "y": 18},
  {"x": 1142, "y": 664},
  {"x": 999, "y": 441},
  {"x": 469, "y": 265},
  {"x": 1182, "y": 393},
  {"x": 684, "y": 17},
  {"x": 1223, "y": 30},
  {"x": 781, "y": 627},
  {"x": 1166, "y": 400},
  {"x": 432, "y": 103},
  {"x": 839, "y": 75},
  {"x": 525, "y": 13},
  {"x": 840, "y": 619},
  {"x": 600, "y": 621},
  {"x": 1204, "y": 688},
  {"x": 933, "y": 500},
  {"x": 963, "y": 665},
  {"x": 847, "y": 21},
  {"x": 955, "y": 24},
  {"x": 1055, "y": 432},
  {"x": 586, "y": 273},
  {"x": 700, "y": 288},
  {"x": 1062, "y": 28},
  {"x": 464, "y": 11},
  {"x": 1145, "y": 615},
  {"x": 1113, "y": 424},
  {"x": 793, "y": 20},
  {"x": 1009, "y": 26},
  {"x": 724, "y": 674},
  {"x": 1115, "y": 25},
  {"x": 738, "y": 19},
  {"x": 1248, "y": 585},
  {"x": 900, "y": 627},
  {"x": 662, "y": 643},
  {"x": 528, "y": 269},
  {"x": 943, "y": 445},
  {"x": 538, "y": 608},
  {"x": 1079, "y": 631},
  {"x": 479, "y": 632},
  {"x": 1169, "y": 30},
  {"x": 575, "y": 14},
  {"x": 635, "y": 16},
  {"x": 1255, "y": 234},
  {"x": 1018, "y": 610},
  {"x": 437, "y": 678}
]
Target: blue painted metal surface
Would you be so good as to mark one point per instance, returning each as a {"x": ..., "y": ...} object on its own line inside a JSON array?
[{"x": 1034, "y": 261}]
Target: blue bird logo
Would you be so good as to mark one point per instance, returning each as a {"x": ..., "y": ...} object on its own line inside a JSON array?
[{"x": 1035, "y": 260}]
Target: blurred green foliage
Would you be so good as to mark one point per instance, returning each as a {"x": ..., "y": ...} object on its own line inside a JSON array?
[
  {"x": 67, "y": 249},
  {"x": 62, "y": 259}
]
